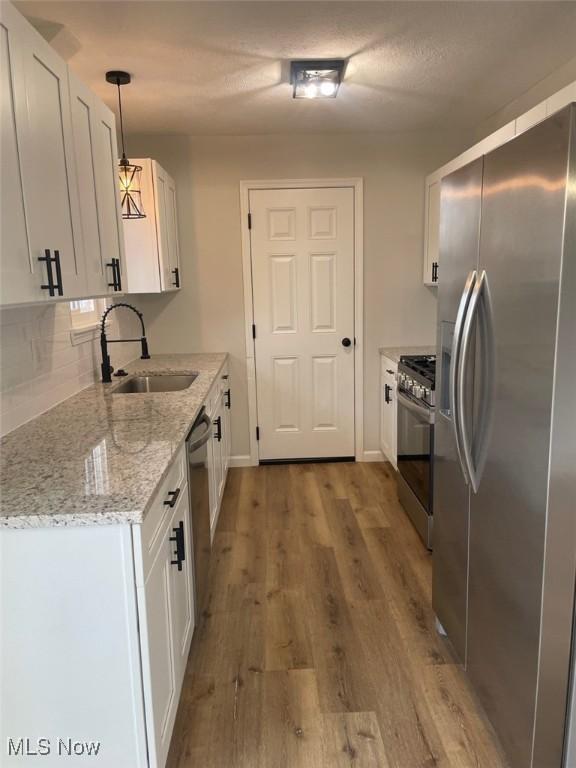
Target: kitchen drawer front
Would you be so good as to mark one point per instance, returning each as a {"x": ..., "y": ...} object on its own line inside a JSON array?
[
  {"x": 152, "y": 531},
  {"x": 217, "y": 390}
]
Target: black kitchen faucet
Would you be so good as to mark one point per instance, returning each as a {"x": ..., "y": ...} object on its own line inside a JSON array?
[{"x": 107, "y": 369}]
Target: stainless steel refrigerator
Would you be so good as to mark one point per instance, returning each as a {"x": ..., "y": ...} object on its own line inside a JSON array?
[{"x": 505, "y": 441}]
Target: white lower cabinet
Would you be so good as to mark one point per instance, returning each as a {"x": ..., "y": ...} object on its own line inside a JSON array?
[
  {"x": 166, "y": 609},
  {"x": 388, "y": 409},
  {"x": 97, "y": 623},
  {"x": 218, "y": 408}
]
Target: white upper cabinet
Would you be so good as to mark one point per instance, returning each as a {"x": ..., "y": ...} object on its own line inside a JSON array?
[
  {"x": 96, "y": 166},
  {"x": 432, "y": 267},
  {"x": 151, "y": 244},
  {"x": 432, "y": 231},
  {"x": 41, "y": 209},
  {"x": 19, "y": 281},
  {"x": 48, "y": 167},
  {"x": 60, "y": 207}
]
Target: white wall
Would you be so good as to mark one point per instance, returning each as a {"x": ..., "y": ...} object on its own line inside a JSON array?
[
  {"x": 207, "y": 314},
  {"x": 39, "y": 364}
]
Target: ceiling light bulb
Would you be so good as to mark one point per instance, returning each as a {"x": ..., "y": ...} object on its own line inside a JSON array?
[
  {"x": 327, "y": 88},
  {"x": 311, "y": 91}
]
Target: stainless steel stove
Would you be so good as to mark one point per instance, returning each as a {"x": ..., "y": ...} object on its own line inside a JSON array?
[{"x": 416, "y": 397}]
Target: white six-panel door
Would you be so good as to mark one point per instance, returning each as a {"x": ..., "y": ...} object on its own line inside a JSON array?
[{"x": 302, "y": 249}]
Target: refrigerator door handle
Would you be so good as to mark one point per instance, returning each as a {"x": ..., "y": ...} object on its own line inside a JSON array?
[
  {"x": 455, "y": 366},
  {"x": 480, "y": 300},
  {"x": 488, "y": 379}
]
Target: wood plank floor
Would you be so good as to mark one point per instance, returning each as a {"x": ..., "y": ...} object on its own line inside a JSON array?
[{"x": 318, "y": 648}]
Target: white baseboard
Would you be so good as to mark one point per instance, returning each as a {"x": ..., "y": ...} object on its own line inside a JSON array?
[
  {"x": 372, "y": 456},
  {"x": 241, "y": 461}
]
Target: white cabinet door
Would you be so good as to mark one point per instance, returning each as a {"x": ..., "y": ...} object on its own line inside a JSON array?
[
  {"x": 48, "y": 165},
  {"x": 142, "y": 257},
  {"x": 152, "y": 251},
  {"x": 160, "y": 674},
  {"x": 108, "y": 191},
  {"x": 94, "y": 134},
  {"x": 20, "y": 276},
  {"x": 172, "y": 234},
  {"x": 432, "y": 231},
  {"x": 212, "y": 484},
  {"x": 161, "y": 194},
  {"x": 388, "y": 406},
  {"x": 219, "y": 428},
  {"x": 182, "y": 586},
  {"x": 215, "y": 461},
  {"x": 226, "y": 433}
]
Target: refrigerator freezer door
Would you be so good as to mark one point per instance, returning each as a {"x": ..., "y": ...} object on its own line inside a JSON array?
[
  {"x": 459, "y": 234},
  {"x": 521, "y": 245}
]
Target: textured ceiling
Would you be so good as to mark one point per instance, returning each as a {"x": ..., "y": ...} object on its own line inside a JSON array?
[{"x": 221, "y": 67}]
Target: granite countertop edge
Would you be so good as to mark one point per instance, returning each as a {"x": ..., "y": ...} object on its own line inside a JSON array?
[{"x": 208, "y": 366}]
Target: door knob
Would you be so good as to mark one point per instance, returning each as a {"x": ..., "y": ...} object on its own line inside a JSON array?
[{"x": 346, "y": 342}]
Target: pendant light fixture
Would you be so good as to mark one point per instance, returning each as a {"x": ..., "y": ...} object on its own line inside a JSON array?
[{"x": 129, "y": 174}]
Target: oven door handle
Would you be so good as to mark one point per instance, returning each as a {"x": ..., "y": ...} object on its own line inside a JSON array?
[
  {"x": 412, "y": 405},
  {"x": 455, "y": 369}
]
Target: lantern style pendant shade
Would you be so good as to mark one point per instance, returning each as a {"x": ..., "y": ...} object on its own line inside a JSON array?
[
  {"x": 129, "y": 174},
  {"x": 130, "y": 192}
]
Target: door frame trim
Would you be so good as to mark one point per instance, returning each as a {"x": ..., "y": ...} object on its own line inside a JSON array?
[{"x": 357, "y": 184}]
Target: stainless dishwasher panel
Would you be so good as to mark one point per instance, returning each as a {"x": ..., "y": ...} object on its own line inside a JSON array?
[{"x": 197, "y": 454}]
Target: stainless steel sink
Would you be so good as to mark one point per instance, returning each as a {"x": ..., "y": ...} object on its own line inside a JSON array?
[{"x": 165, "y": 382}]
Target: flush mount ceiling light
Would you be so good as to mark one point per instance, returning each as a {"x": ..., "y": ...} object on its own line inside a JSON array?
[
  {"x": 316, "y": 78},
  {"x": 129, "y": 174}
]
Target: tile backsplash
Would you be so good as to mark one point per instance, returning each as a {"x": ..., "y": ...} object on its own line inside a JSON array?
[{"x": 41, "y": 363}]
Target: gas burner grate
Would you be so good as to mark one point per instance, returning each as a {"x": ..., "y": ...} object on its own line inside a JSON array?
[{"x": 422, "y": 365}]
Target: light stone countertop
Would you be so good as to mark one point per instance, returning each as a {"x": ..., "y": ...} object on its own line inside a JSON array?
[
  {"x": 98, "y": 458},
  {"x": 394, "y": 353}
]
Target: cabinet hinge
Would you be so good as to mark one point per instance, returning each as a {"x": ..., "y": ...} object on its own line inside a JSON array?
[
  {"x": 253, "y": 331},
  {"x": 257, "y": 433},
  {"x": 249, "y": 221}
]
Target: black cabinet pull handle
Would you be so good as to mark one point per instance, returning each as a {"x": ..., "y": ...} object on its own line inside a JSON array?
[
  {"x": 118, "y": 277},
  {"x": 59, "y": 285},
  {"x": 228, "y": 400},
  {"x": 116, "y": 283},
  {"x": 49, "y": 286},
  {"x": 52, "y": 286},
  {"x": 176, "y": 273},
  {"x": 435, "y": 272},
  {"x": 178, "y": 539},
  {"x": 112, "y": 265},
  {"x": 389, "y": 370},
  {"x": 387, "y": 390},
  {"x": 346, "y": 342},
  {"x": 171, "y": 502},
  {"x": 218, "y": 425}
]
